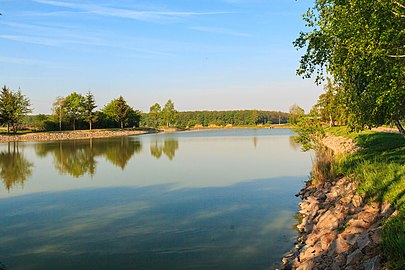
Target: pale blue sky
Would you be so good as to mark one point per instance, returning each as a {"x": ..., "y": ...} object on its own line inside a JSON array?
[{"x": 202, "y": 54}]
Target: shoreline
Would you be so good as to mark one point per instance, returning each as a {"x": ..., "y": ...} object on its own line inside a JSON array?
[
  {"x": 338, "y": 228},
  {"x": 74, "y": 135},
  {"x": 106, "y": 133}
]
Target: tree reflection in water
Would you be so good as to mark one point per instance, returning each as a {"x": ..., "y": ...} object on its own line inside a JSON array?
[
  {"x": 168, "y": 148},
  {"x": 121, "y": 151},
  {"x": 14, "y": 167},
  {"x": 78, "y": 157}
]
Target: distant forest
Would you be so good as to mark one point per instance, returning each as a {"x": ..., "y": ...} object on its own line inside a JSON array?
[
  {"x": 223, "y": 118},
  {"x": 184, "y": 120}
]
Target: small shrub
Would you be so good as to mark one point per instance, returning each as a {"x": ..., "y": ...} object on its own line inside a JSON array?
[{"x": 323, "y": 166}]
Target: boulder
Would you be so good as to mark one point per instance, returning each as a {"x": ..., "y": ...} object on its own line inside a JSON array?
[
  {"x": 326, "y": 240},
  {"x": 373, "y": 263},
  {"x": 328, "y": 221},
  {"x": 363, "y": 241},
  {"x": 354, "y": 257},
  {"x": 341, "y": 246}
]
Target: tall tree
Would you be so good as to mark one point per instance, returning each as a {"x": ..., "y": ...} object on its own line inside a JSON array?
[
  {"x": 21, "y": 107},
  {"x": 331, "y": 103},
  {"x": 58, "y": 109},
  {"x": 89, "y": 104},
  {"x": 361, "y": 43},
  {"x": 14, "y": 106},
  {"x": 155, "y": 112},
  {"x": 6, "y": 107},
  {"x": 296, "y": 112},
  {"x": 119, "y": 110},
  {"x": 74, "y": 107},
  {"x": 169, "y": 113}
]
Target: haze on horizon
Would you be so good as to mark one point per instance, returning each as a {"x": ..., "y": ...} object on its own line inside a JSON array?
[{"x": 204, "y": 55}]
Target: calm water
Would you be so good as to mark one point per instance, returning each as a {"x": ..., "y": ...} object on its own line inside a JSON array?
[{"x": 220, "y": 199}]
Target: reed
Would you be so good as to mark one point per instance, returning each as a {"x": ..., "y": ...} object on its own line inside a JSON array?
[{"x": 323, "y": 166}]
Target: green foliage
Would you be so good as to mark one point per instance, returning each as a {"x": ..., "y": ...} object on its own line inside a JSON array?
[
  {"x": 73, "y": 107},
  {"x": 155, "y": 113},
  {"x": 5, "y": 106},
  {"x": 36, "y": 122},
  {"x": 169, "y": 113},
  {"x": 330, "y": 106},
  {"x": 296, "y": 113},
  {"x": 14, "y": 106},
  {"x": 394, "y": 241},
  {"x": 134, "y": 117},
  {"x": 89, "y": 104},
  {"x": 58, "y": 109},
  {"x": 359, "y": 43},
  {"x": 310, "y": 133},
  {"x": 76, "y": 108},
  {"x": 235, "y": 118},
  {"x": 379, "y": 167},
  {"x": 120, "y": 111}
]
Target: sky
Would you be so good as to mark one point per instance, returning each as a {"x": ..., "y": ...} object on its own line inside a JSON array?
[{"x": 202, "y": 54}]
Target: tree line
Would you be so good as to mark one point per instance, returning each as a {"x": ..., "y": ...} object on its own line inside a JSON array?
[
  {"x": 78, "y": 111},
  {"x": 218, "y": 118},
  {"x": 75, "y": 111}
]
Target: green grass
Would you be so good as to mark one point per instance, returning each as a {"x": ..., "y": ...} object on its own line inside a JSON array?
[{"x": 379, "y": 170}]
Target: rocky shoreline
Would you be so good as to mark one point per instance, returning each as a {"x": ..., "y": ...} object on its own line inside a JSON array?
[
  {"x": 338, "y": 228},
  {"x": 72, "y": 135}
]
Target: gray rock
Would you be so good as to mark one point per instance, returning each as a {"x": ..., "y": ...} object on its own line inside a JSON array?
[
  {"x": 373, "y": 264},
  {"x": 340, "y": 260},
  {"x": 363, "y": 241},
  {"x": 354, "y": 257},
  {"x": 335, "y": 266}
]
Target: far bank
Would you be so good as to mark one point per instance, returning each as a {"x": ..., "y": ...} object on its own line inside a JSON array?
[{"x": 105, "y": 133}]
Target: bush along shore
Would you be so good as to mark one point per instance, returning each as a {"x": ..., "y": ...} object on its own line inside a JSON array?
[{"x": 353, "y": 219}]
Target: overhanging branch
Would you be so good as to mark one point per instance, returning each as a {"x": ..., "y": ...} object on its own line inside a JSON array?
[
  {"x": 397, "y": 56},
  {"x": 399, "y": 4}
]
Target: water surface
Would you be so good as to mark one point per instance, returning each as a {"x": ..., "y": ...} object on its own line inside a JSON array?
[{"x": 219, "y": 199}]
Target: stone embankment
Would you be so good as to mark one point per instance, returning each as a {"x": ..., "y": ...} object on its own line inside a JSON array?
[
  {"x": 72, "y": 135},
  {"x": 339, "y": 229}
]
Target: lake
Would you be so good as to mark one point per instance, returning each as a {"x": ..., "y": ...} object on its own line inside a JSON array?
[{"x": 212, "y": 199}]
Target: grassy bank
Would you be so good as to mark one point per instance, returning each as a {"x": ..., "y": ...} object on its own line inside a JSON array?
[{"x": 379, "y": 169}]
